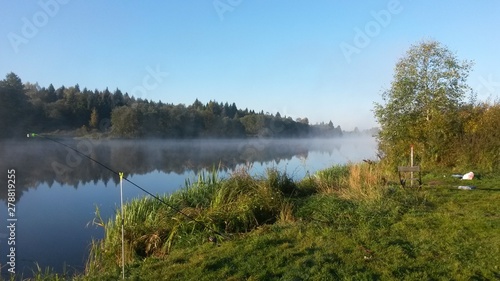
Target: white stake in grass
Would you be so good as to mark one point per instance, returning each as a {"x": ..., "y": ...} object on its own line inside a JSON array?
[{"x": 123, "y": 220}]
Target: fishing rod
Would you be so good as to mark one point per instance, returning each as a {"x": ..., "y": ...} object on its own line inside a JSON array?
[{"x": 129, "y": 181}]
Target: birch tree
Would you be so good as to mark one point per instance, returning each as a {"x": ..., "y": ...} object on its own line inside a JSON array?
[{"x": 421, "y": 106}]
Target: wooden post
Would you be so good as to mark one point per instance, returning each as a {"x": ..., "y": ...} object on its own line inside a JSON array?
[{"x": 411, "y": 164}]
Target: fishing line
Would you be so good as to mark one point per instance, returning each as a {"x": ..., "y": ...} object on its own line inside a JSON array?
[{"x": 129, "y": 181}]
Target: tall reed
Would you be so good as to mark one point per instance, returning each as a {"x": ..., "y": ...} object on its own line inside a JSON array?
[
  {"x": 332, "y": 179},
  {"x": 359, "y": 181},
  {"x": 203, "y": 208},
  {"x": 363, "y": 183}
]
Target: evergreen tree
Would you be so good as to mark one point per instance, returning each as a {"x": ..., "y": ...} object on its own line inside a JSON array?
[
  {"x": 15, "y": 113},
  {"x": 51, "y": 94},
  {"x": 117, "y": 99}
]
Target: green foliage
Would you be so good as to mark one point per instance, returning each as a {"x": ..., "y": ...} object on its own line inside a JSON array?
[
  {"x": 422, "y": 105},
  {"x": 479, "y": 144},
  {"x": 281, "y": 182},
  {"x": 13, "y": 107},
  {"x": 332, "y": 178},
  {"x": 125, "y": 121},
  {"x": 32, "y": 107},
  {"x": 425, "y": 108},
  {"x": 253, "y": 125}
]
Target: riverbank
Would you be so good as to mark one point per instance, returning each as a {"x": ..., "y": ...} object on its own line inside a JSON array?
[{"x": 340, "y": 223}]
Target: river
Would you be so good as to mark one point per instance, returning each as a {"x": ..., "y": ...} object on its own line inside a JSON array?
[{"x": 58, "y": 190}]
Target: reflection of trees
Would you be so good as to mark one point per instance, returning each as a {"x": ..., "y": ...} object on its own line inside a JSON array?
[{"x": 40, "y": 161}]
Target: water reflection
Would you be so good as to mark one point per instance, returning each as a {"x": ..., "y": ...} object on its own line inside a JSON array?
[
  {"x": 39, "y": 161},
  {"x": 57, "y": 190}
]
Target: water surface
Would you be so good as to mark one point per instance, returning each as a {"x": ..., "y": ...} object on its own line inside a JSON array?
[{"x": 58, "y": 190}]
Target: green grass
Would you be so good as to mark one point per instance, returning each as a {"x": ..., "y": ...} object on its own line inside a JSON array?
[{"x": 319, "y": 228}]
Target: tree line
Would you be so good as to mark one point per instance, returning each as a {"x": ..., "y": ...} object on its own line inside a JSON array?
[{"x": 27, "y": 107}]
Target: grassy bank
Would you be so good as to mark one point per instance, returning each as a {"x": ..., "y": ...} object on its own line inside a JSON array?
[{"x": 348, "y": 222}]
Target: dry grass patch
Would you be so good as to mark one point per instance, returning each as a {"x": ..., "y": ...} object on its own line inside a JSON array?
[{"x": 360, "y": 181}]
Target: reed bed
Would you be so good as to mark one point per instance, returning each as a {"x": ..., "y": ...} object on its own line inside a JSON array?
[
  {"x": 359, "y": 181},
  {"x": 216, "y": 209},
  {"x": 205, "y": 208}
]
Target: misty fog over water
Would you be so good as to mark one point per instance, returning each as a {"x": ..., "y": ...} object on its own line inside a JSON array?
[{"x": 58, "y": 190}]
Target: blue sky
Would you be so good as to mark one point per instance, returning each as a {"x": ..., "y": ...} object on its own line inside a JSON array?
[{"x": 276, "y": 56}]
